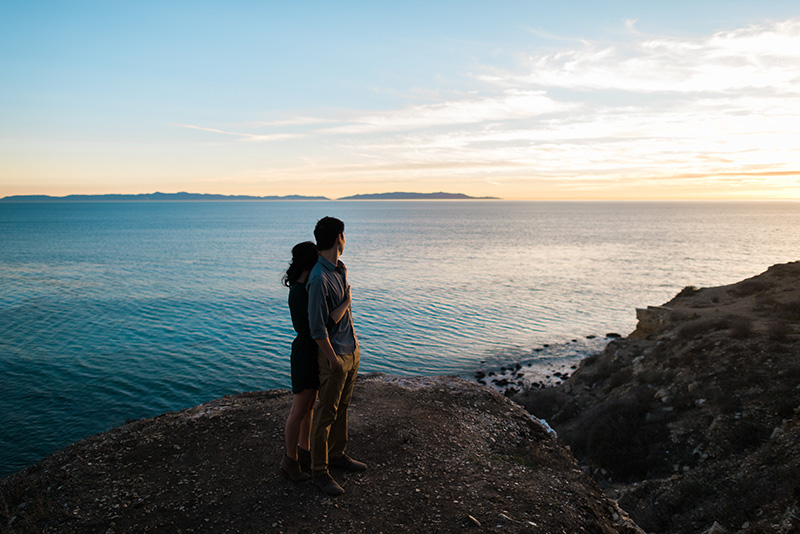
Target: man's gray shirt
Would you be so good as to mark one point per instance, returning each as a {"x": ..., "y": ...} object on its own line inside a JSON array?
[{"x": 327, "y": 287}]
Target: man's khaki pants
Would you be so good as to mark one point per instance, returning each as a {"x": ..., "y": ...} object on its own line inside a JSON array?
[{"x": 329, "y": 427}]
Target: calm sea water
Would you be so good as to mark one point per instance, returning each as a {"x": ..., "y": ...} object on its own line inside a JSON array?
[{"x": 117, "y": 311}]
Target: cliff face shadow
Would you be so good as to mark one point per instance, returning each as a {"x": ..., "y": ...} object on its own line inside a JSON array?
[{"x": 694, "y": 419}]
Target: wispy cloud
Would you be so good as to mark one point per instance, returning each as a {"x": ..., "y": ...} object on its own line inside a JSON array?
[
  {"x": 243, "y": 136},
  {"x": 292, "y": 121},
  {"x": 511, "y": 104}
]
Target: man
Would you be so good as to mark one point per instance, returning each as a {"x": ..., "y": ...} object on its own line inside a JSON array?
[{"x": 338, "y": 357}]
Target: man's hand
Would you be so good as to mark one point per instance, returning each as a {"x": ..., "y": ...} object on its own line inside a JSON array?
[
  {"x": 327, "y": 349},
  {"x": 333, "y": 363}
]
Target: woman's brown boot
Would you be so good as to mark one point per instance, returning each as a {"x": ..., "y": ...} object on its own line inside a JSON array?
[{"x": 290, "y": 468}]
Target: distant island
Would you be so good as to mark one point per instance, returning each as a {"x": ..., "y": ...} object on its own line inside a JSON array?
[
  {"x": 416, "y": 196},
  {"x": 149, "y": 197},
  {"x": 194, "y": 197}
]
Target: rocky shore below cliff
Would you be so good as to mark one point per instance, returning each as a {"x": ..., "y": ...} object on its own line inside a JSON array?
[
  {"x": 693, "y": 421},
  {"x": 444, "y": 455}
]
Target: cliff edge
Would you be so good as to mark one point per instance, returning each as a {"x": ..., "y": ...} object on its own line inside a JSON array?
[
  {"x": 693, "y": 421},
  {"x": 445, "y": 455}
]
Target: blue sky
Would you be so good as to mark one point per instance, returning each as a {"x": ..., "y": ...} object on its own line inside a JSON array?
[{"x": 513, "y": 99}]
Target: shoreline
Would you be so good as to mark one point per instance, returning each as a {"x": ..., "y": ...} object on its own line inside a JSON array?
[{"x": 544, "y": 366}]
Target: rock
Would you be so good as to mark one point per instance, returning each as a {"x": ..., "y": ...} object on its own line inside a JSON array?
[
  {"x": 661, "y": 394},
  {"x": 716, "y": 528},
  {"x": 716, "y": 423}
]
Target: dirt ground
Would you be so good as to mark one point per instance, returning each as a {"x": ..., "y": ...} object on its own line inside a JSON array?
[{"x": 444, "y": 455}]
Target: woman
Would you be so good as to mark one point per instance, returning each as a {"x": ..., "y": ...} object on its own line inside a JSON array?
[{"x": 305, "y": 371}]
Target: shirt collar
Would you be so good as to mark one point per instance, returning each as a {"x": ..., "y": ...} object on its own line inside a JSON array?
[{"x": 328, "y": 265}]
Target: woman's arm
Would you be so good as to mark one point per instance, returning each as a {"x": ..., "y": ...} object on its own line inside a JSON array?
[{"x": 337, "y": 314}]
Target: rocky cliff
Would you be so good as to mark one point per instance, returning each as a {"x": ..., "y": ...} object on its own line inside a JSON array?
[
  {"x": 445, "y": 455},
  {"x": 693, "y": 421}
]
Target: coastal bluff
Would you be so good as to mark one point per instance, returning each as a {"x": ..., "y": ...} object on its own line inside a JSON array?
[
  {"x": 444, "y": 455},
  {"x": 693, "y": 421}
]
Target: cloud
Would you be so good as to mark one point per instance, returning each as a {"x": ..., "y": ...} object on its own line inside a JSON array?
[
  {"x": 725, "y": 105},
  {"x": 720, "y": 109},
  {"x": 511, "y": 104},
  {"x": 292, "y": 121},
  {"x": 756, "y": 57},
  {"x": 243, "y": 135}
]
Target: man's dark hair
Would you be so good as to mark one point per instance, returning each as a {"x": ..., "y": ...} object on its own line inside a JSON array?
[{"x": 326, "y": 232}]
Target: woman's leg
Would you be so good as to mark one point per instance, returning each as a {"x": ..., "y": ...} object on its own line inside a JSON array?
[
  {"x": 304, "y": 436},
  {"x": 295, "y": 423}
]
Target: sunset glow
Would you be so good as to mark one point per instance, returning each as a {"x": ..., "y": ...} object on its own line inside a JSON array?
[{"x": 520, "y": 102}]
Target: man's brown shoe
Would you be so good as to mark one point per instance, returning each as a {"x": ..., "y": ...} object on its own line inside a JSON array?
[
  {"x": 347, "y": 463},
  {"x": 328, "y": 485},
  {"x": 290, "y": 468}
]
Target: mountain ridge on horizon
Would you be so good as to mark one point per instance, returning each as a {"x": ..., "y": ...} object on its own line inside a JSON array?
[
  {"x": 183, "y": 196},
  {"x": 415, "y": 196}
]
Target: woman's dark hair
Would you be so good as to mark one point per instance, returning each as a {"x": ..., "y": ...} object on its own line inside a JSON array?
[
  {"x": 326, "y": 232},
  {"x": 304, "y": 257}
]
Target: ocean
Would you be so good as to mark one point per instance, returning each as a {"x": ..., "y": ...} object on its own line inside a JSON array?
[{"x": 116, "y": 311}]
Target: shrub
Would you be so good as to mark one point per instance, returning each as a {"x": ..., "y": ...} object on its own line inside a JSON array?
[
  {"x": 741, "y": 328},
  {"x": 749, "y": 287},
  {"x": 748, "y": 435},
  {"x": 789, "y": 311},
  {"x": 621, "y": 377},
  {"x": 687, "y": 291},
  {"x": 616, "y": 437},
  {"x": 543, "y": 403},
  {"x": 778, "y": 331},
  {"x": 694, "y": 328}
]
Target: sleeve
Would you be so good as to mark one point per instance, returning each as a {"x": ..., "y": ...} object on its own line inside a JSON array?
[{"x": 318, "y": 311}]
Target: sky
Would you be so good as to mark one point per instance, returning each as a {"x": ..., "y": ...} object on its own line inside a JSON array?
[{"x": 511, "y": 99}]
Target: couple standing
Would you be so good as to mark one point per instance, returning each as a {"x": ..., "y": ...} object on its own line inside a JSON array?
[{"x": 325, "y": 358}]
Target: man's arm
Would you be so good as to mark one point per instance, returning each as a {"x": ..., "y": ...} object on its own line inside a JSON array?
[
  {"x": 338, "y": 313},
  {"x": 318, "y": 316}
]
